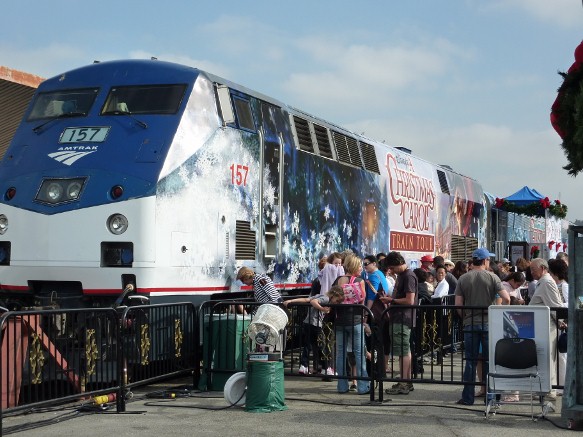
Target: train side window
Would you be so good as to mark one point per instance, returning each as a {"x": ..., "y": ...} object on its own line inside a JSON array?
[{"x": 244, "y": 114}]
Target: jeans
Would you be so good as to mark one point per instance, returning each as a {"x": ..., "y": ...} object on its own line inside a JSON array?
[
  {"x": 346, "y": 336},
  {"x": 474, "y": 336}
]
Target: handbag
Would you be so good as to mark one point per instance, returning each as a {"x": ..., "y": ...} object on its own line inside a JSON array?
[
  {"x": 562, "y": 342},
  {"x": 378, "y": 307}
]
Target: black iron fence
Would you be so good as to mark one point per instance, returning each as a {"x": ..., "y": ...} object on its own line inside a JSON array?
[
  {"x": 61, "y": 355},
  {"x": 57, "y": 355},
  {"x": 438, "y": 352},
  {"x": 157, "y": 342},
  {"x": 54, "y": 356}
]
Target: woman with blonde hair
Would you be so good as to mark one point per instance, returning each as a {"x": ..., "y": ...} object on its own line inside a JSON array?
[{"x": 349, "y": 329}]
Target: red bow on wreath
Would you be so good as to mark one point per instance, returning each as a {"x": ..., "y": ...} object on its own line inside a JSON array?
[
  {"x": 558, "y": 246},
  {"x": 551, "y": 243}
]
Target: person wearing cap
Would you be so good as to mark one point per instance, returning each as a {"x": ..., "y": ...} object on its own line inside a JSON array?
[
  {"x": 449, "y": 265},
  {"x": 477, "y": 288},
  {"x": 426, "y": 262}
]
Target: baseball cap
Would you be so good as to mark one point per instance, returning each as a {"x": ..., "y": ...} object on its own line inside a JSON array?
[
  {"x": 427, "y": 258},
  {"x": 448, "y": 262},
  {"x": 482, "y": 253},
  {"x": 505, "y": 261}
]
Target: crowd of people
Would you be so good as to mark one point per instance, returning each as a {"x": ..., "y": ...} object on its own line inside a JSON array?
[{"x": 386, "y": 285}]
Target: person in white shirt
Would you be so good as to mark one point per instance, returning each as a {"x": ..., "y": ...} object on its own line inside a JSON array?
[
  {"x": 547, "y": 294},
  {"x": 442, "y": 287}
]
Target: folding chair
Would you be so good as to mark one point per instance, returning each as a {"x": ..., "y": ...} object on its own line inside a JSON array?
[{"x": 515, "y": 359}]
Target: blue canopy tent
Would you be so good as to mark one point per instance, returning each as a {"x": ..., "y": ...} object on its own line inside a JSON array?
[{"x": 524, "y": 196}]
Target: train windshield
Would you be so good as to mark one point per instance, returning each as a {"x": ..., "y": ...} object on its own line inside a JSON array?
[
  {"x": 63, "y": 103},
  {"x": 144, "y": 99}
]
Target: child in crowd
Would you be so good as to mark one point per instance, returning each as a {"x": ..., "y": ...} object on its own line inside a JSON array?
[
  {"x": 331, "y": 270},
  {"x": 312, "y": 329}
]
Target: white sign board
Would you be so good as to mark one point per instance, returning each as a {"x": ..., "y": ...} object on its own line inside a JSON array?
[{"x": 518, "y": 321}]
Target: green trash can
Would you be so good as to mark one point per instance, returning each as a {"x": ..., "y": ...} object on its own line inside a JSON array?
[
  {"x": 224, "y": 348},
  {"x": 265, "y": 387}
]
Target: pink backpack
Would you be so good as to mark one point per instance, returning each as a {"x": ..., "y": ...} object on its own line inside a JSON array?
[{"x": 353, "y": 293}]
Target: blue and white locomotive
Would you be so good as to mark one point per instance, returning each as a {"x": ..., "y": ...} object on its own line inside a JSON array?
[{"x": 169, "y": 178}]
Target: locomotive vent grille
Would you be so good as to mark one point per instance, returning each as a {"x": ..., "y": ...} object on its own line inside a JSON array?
[
  {"x": 303, "y": 134},
  {"x": 443, "y": 181},
  {"x": 347, "y": 149},
  {"x": 245, "y": 246},
  {"x": 369, "y": 157},
  {"x": 341, "y": 147},
  {"x": 323, "y": 141},
  {"x": 462, "y": 247},
  {"x": 354, "y": 152}
]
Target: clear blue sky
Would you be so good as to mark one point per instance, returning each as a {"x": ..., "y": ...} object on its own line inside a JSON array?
[{"x": 468, "y": 83}]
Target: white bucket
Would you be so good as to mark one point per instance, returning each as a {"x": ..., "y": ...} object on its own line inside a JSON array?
[{"x": 235, "y": 388}]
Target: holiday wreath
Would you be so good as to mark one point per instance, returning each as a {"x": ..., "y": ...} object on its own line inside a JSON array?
[
  {"x": 567, "y": 113},
  {"x": 556, "y": 208}
]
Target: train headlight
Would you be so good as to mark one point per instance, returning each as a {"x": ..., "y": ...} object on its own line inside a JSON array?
[
  {"x": 55, "y": 191},
  {"x": 73, "y": 189},
  {"x": 117, "y": 224},
  {"x": 3, "y": 223}
]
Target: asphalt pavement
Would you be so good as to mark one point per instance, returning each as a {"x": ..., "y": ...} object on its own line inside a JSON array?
[{"x": 314, "y": 408}]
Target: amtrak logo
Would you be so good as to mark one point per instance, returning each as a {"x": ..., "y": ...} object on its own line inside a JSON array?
[{"x": 70, "y": 155}]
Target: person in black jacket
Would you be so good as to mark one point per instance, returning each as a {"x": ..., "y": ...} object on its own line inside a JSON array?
[{"x": 422, "y": 289}]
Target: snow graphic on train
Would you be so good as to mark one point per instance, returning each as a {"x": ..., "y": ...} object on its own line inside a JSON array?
[{"x": 170, "y": 179}]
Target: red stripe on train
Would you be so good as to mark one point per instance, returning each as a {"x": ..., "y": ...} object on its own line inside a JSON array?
[{"x": 115, "y": 291}]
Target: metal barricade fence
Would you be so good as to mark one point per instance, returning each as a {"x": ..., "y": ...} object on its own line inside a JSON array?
[
  {"x": 158, "y": 342},
  {"x": 341, "y": 344},
  {"x": 62, "y": 355},
  {"x": 437, "y": 347},
  {"x": 440, "y": 348},
  {"x": 67, "y": 355}
]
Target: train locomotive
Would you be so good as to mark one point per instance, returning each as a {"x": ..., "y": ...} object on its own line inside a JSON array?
[{"x": 163, "y": 179}]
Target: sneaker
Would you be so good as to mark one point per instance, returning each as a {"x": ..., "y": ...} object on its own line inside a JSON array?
[
  {"x": 510, "y": 398},
  {"x": 330, "y": 371},
  {"x": 352, "y": 387},
  {"x": 551, "y": 396},
  {"x": 398, "y": 389},
  {"x": 462, "y": 402},
  {"x": 304, "y": 370},
  {"x": 410, "y": 386},
  {"x": 393, "y": 387}
]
